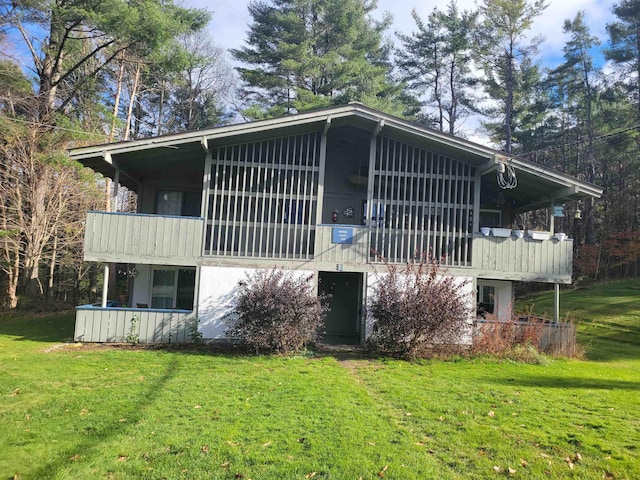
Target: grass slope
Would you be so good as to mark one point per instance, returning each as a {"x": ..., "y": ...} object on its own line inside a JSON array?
[{"x": 128, "y": 413}]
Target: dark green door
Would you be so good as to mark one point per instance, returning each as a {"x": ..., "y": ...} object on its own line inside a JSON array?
[{"x": 342, "y": 324}]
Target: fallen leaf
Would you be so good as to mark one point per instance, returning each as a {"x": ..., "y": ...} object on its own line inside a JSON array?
[
  {"x": 122, "y": 420},
  {"x": 496, "y": 469},
  {"x": 238, "y": 475},
  {"x": 441, "y": 419},
  {"x": 524, "y": 463},
  {"x": 310, "y": 475},
  {"x": 381, "y": 472},
  {"x": 408, "y": 414},
  {"x": 608, "y": 476},
  {"x": 420, "y": 444},
  {"x": 372, "y": 444},
  {"x": 197, "y": 406},
  {"x": 14, "y": 393},
  {"x": 204, "y": 449},
  {"x": 225, "y": 465},
  {"x": 16, "y": 476},
  {"x": 122, "y": 458},
  {"x": 511, "y": 471},
  {"x": 266, "y": 444},
  {"x": 578, "y": 458},
  {"x": 74, "y": 458},
  {"x": 491, "y": 413}
]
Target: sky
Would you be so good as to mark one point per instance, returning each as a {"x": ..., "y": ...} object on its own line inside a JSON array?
[{"x": 231, "y": 18}]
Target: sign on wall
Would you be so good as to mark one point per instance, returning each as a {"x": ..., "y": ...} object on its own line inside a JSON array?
[{"x": 343, "y": 235}]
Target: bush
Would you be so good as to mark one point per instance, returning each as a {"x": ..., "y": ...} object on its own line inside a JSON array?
[
  {"x": 417, "y": 309},
  {"x": 277, "y": 312}
]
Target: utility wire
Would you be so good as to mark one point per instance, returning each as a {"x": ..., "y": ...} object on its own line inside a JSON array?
[{"x": 56, "y": 127}]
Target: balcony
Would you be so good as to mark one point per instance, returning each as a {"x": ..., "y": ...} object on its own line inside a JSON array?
[
  {"x": 342, "y": 244},
  {"x": 522, "y": 259},
  {"x": 140, "y": 238}
]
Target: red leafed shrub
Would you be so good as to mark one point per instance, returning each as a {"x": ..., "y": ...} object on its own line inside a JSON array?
[
  {"x": 418, "y": 308},
  {"x": 277, "y": 312}
]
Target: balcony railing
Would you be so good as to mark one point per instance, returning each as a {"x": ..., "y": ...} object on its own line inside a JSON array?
[
  {"x": 140, "y": 238},
  {"x": 524, "y": 259},
  {"x": 143, "y": 325}
]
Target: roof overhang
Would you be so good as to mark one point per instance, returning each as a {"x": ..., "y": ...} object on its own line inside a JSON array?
[{"x": 134, "y": 157}]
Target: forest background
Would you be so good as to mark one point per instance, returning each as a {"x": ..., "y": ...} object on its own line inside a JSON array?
[{"x": 76, "y": 72}]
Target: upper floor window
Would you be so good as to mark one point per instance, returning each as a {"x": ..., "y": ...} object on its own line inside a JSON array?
[{"x": 177, "y": 203}]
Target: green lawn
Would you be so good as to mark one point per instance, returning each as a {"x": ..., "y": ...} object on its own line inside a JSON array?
[{"x": 121, "y": 413}]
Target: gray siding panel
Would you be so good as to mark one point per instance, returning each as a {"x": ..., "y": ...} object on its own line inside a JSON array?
[
  {"x": 522, "y": 259},
  {"x": 152, "y": 239},
  {"x": 94, "y": 324}
]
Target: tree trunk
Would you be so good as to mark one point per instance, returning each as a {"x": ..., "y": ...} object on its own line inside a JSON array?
[{"x": 132, "y": 97}]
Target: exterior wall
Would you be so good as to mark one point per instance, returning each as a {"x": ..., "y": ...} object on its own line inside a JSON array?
[
  {"x": 218, "y": 286},
  {"x": 141, "y": 285},
  {"x": 466, "y": 336}
]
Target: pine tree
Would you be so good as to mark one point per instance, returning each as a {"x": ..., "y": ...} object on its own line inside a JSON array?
[
  {"x": 624, "y": 51},
  {"x": 435, "y": 61},
  {"x": 305, "y": 54},
  {"x": 509, "y": 69}
]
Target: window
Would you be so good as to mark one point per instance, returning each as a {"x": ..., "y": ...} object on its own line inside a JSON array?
[
  {"x": 179, "y": 204},
  {"x": 378, "y": 211},
  {"x": 293, "y": 211},
  {"x": 173, "y": 288},
  {"x": 486, "y": 298},
  {"x": 490, "y": 218}
]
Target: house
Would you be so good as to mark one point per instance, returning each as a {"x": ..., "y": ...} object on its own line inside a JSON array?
[{"x": 335, "y": 192}]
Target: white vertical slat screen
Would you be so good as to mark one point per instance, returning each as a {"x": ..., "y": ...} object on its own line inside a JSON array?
[
  {"x": 422, "y": 206},
  {"x": 263, "y": 196}
]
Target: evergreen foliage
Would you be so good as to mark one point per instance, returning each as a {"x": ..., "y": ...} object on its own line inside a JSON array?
[
  {"x": 435, "y": 61},
  {"x": 307, "y": 54}
]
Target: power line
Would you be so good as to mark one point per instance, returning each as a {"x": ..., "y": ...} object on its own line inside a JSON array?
[
  {"x": 56, "y": 127},
  {"x": 581, "y": 142}
]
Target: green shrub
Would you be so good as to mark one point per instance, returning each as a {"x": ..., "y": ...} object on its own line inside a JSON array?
[
  {"x": 418, "y": 308},
  {"x": 277, "y": 312}
]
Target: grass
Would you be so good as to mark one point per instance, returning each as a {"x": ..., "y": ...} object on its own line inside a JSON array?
[{"x": 118, "y": 413}]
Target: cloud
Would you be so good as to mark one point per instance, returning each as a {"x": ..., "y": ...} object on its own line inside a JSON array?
[{"x": 230, "y": 20}]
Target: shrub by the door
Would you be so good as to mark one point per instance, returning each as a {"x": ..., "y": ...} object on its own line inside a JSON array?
[
  {"x": 418, "y": 308},
  {"x": 277, "y": 312}
]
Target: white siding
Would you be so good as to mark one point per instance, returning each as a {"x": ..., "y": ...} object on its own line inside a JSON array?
[{"x": 218, "y": 287}]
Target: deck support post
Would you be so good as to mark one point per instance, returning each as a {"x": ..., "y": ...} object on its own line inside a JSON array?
[
  {"x": 556, "y": 304},
  {"x": 105, "y": 285}
]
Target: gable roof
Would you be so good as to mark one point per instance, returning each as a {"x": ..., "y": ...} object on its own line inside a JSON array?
[{"x": 543, "y": 185}]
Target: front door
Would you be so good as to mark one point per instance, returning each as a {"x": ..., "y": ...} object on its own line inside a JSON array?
[{"x": 342, "y": 324}]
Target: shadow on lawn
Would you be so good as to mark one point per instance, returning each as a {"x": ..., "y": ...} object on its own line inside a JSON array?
[
  {"x": 39, "y": 327},
  {"x": 135, "y": 413},
  {"x": 568, "y": 382}
]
